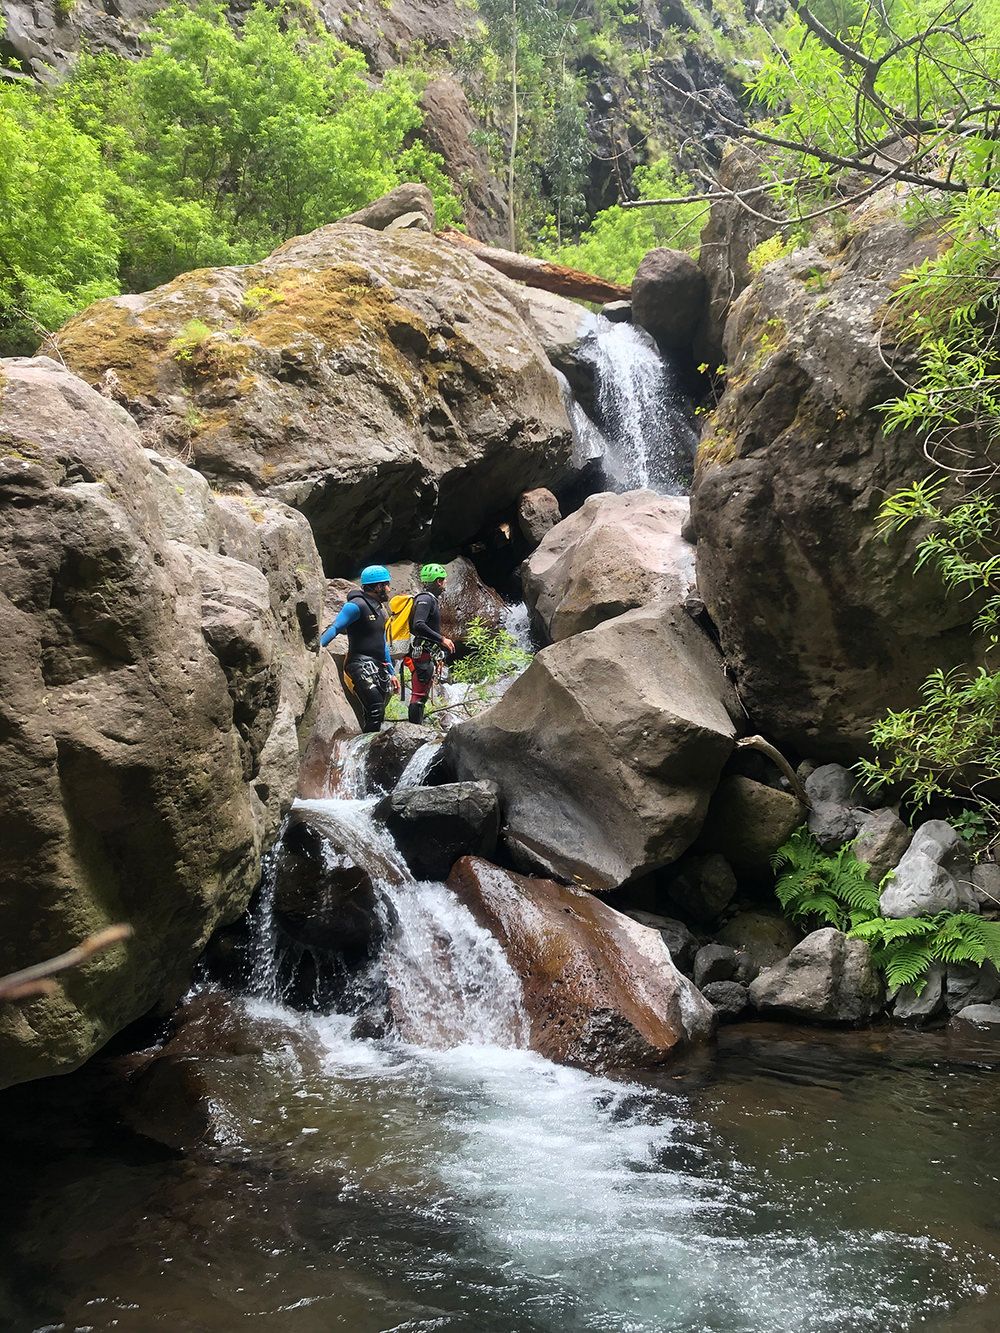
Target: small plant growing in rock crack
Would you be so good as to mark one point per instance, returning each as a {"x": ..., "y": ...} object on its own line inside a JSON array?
[
  {"x": 493, "y": 654},
  {"x": 191, "y": 337},
  {"x": 815, "y": 886}
]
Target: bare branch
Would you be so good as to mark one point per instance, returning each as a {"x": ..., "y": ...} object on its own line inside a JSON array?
[{"x": 36, "y": 980}]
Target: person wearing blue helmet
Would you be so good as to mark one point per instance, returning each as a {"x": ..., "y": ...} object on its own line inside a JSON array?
[{"x": 368, "y": 672}]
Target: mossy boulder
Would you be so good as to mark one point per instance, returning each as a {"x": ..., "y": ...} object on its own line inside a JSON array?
[
  {"x": 158, "y": 649},
  {"x": 386, "y": 384}
]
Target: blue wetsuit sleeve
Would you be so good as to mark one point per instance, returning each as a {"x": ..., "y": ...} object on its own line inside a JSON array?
[
  {"x": 347, "y": 615},
  {"x": 388, "y": 656}
]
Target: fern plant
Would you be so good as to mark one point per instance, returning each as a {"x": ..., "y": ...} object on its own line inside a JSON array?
[
  {"x": 904, "y": 949},
  {"x": 814, "y": 886}
]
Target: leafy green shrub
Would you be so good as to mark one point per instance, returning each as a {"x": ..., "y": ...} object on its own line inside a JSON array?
[
  {"x": 494, "y": 654},
  {"x": 904, "y": 949},
  {"x": 814, "y": 886}
]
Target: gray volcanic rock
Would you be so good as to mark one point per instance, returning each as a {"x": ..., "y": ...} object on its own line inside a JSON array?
[
  {"x": 828, "y": 978},
  {"x": 159, "y": 650},
  {"x": 765, "y": 937},
  {"x": 384, "y": 383},
  {"x": 934, "y": 875},
  {"x": 668, "y": 297},
  {"x": 825, "y": 624},
  {"x": 600, "y": 989},
  {"x": 748, "y": 821},
  {"x": 598, "y": 784},
  {"x": 615, "y": 553},
  {"x": 882, "y": 839},
  {"x": 434, "y": 826},
  {"x": 537, "y": 513},
  {"x": 729, "y": 999}
]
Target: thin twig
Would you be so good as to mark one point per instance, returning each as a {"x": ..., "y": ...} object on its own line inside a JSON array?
[{"x": 36, "y": 980}]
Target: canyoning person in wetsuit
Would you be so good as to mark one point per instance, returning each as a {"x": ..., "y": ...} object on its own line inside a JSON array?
[
  {"x": 368, "y": 671},
  {"x": 429, "y": 645}
]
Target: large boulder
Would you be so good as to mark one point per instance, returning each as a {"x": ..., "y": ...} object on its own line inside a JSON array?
[
  {"x": 537, "y": 513},
  {"x": 410, "y": 201},
  {"x": 825, "y": 623},
  {"x": 828, "y": 978},
  {"x": 600, "y": 989},
  {"x": 882, "y": 839},
  {"x": 605, "y": 784},
  {"x": 384, "y": 383},
  {"x": 434, "y": 826},
  {"x": 158, "y": 654},
  {"x": 668, "y": 297},
  {"x": 765, "y": 937},
  {"x": 615, "y": 553}
]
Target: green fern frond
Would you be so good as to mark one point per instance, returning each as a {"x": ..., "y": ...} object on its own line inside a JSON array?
[{"x": 905, "y": 963}]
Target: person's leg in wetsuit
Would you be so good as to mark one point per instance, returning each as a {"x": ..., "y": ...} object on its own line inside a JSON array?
[
  {"x": 368, "y": 681},
  {"x": 421, "y": 679}
]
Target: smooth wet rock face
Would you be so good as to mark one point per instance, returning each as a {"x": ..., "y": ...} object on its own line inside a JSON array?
[
  {"x": 668, "y": 297},
  {"x": 617, "y": 552},
  {"x": 882, "y": 839},
  {"x": 158, "y": 651},
  {"x": 682, "y": 944},
  {"x": 825, "y": 624},
  {"x": 386, "y": 384},
  {"x": 984, "y": 1015},
  {"x": 600, "y": 990},
  {"x": 434, "y": 826},
  {"x": 934, "y": 875},
  {"x": 748, "y": 821},
  {"x": 828, "y": 978},
  {"x": 388, "y": 752},
  {"x": 605, "y": 773}
]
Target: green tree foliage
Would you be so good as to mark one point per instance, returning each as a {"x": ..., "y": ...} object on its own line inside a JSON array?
[
  {"x": 615, "y": 242},
  {"x": 215, "y": 147},
  {"x": 493, "y": 654},
  {"x": 59, "y": 242}
]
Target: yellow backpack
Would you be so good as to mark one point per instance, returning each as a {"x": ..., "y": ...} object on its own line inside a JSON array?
[{"x": 397, "y": 622}]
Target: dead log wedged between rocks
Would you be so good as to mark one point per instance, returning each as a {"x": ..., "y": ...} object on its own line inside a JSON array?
[{"x": 541, "y": 273}]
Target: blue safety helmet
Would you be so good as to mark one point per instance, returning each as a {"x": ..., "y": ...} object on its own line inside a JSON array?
[{"x": 375, "y": 574}]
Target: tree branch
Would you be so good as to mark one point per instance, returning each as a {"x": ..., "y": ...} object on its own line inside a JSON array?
[{"x": 36, "y": 980}]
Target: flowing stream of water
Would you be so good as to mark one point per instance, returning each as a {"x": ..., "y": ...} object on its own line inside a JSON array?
[{"x": 448, "y": 1178}]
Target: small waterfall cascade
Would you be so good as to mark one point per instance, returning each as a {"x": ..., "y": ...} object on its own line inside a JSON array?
[
  {"x": 419, "y": 765},
  {"x": 640, "y": 411},
  {"x": 449, "y": 982}
]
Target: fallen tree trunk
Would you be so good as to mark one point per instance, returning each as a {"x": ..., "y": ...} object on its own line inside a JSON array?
[{"x": 541, "y": 273}]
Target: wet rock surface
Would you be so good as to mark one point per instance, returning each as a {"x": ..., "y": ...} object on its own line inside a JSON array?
[
  {"x": 668, "y": 297},
  {"x": 434, "y": 826},
  {"x": 159, "y": 654},
  {"x": 600, "y": 990}
]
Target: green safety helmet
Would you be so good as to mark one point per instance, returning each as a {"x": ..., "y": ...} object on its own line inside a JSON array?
[{"x": 431, "y": 573}]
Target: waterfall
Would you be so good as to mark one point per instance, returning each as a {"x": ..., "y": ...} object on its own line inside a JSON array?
[
  {"x": 640, "y": 411},
  {"x": 419, "y": 765},
  {"x": 449, "y": 981}
]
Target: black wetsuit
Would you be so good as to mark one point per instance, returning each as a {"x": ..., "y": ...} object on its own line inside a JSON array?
[
  {"x": 366, "y": 673},
  {"x": 425, "y": 629}
]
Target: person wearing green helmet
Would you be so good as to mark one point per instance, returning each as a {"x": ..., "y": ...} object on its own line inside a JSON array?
[
  {"x": 368, "y": 673},
  {"x": 429, "y": 644}
]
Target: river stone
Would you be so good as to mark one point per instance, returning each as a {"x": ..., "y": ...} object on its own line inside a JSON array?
[
  {"x": 986, "y": 885},
  {"x": 933, "y": 875},
  {"x": 676, "y": 936},
  {"x": 985, "y": 1015},
  {"x": 828, "y": 978},
  {"x": 600, "y": 990},
  {"x": 825, "y": 624},
  {"x": 966, "y": 984},
  {"x": 158, "y": 651},
  {"x": 618, "y": 312},
  {"x": 388, "y": 752},
  {"x": 402, "y": 202},
  {"x": 714, "y": 962},
  {"x": 614, "y": 553},
  {"x": 389, "y": 387},
  {"x": 882, "y": 839},
  {"x": 765, "y": 937},
  {"x": 703, "y": 887},
  {"x": 909, "y": 1007},
  {"x": 537, "y": 513},
  {"x": 652, "y": 747},
  {"x": 728, "y": 998},
  {"x": 668, "y": 297},
  {"x": 434, "y": 826},
  {"x": 748, "y": 821}
]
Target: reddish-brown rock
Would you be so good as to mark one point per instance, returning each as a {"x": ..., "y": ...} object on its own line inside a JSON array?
[{"x": 600, "y": 990}]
